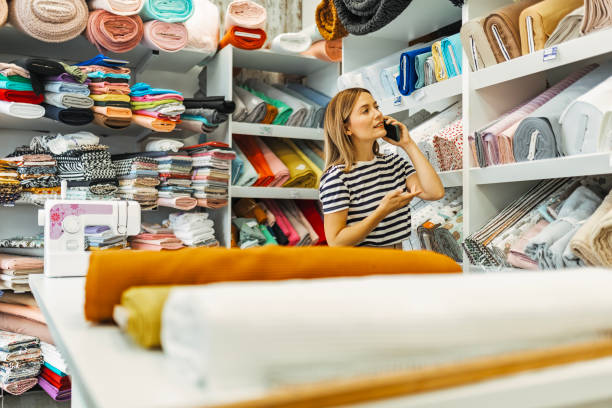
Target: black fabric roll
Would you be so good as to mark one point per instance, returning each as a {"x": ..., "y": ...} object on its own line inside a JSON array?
[
  {"x": 278, "y": 233},
  {"x": 117, "y": 104},
  {"x": 70, "y": 116},
  {"x": 40, "y": 68},
  {"x": 111, "y": 80},
  {"x": 215, "y": 102}
]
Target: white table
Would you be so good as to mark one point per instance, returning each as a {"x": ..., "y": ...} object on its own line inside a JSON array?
[{"x": 109, "y": 370}]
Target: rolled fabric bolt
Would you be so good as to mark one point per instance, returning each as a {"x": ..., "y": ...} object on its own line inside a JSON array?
[{"x": 169, "y": 37}]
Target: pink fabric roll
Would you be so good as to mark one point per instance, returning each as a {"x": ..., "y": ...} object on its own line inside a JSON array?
[
  {"x": 21, "y": 386},
  {"x": 517, "y": 256},
  {"x": 25, "y": 326},
  {"x": 281, "y": 172},
  {"x": 330, "y": 51},
  {"x": 283, "y": 223},
  {"x": 27, "y": 312},
  {"x": 154, "y": 247},
  {"x": 160, "y": 97},
  {"x": 20, "y": 262},
  {"x": 245, "y": 13},
  {"x": 203, "y": 26},
  {"x": 169, "y": 37},
  {"x": 314, "y": 237},
  {"x": 114, "y": 33},
  {"x": 180, "y": 203}
]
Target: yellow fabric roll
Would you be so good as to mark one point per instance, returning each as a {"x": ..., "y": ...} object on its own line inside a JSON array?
[
  {"x": 145, "y": 305},
  {"x": 438, "y": 58},
  {"x": 545, "y": 16},
  {"x": 110, "y": 97},
  {"x": 300, "y": 174},
  {"x": 328, "y": 22},
  {"x": 306, "y": 159}
]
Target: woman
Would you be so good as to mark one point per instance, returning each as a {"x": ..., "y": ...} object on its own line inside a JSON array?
[{"x": 365, "y": 195}]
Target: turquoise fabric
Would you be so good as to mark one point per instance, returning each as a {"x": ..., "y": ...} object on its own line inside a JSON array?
[
  {"x": 15, "y": 83},
  {"x": 284, "y": 111},
  {"x": 198, "y": 118},
  {"x": 248, "y": 175},
  {"x": 169, "y": 11},
  {"x": 308, "y": 152},
  {"x": 419, "y": 66},
  {"x": 55, "y": 370},
  {"x": 454, "y": 41},
  {"x": 270, "y": 240}
]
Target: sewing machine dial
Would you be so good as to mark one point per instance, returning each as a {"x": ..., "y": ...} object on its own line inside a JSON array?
[{"x": 71, "y": 224}]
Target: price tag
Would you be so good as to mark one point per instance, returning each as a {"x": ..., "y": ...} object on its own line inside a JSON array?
[{"x": 550, "y": 54}]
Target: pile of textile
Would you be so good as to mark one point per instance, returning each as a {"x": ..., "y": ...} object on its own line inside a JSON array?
[
  {"x": 100, "y": 238},
  {"x": 19, "y": 244},
  {"x": 20, "y": 362},
  {"x": 211, "y": 163},
  {"x": 277, "y": 162},
  {"x": 281, "y": 222},
  {"x": 155, "y": 237},
  {"x": 193, "y": 229},
  {"x": 54, "y": 377},
  {"x": 37, "y": 174},
  {"x": 67, "y": 97},
  {"x": 15, "y": 270},
  {"x": 527, "y": 26},
  {"x": 68, "y": 20},
  {"x": 571, "y": 117},
  {"x": 244, "y": 25},
  {"x": 175, "y": 181},
  {"x": 110, "y": 92},
  {"x": 558, "y": 223},
  {"x": 204, "y": 114},
  {"x": 19, "y": 313},
  {"x": 438, "y": 225},
  {"x": 17, "y": 97},
  {"x": 138, "y": 179},
  {"x": 10, "y": 188},
  {"x": 155, "y": 108},
  {"x": 257, "y": 102}
]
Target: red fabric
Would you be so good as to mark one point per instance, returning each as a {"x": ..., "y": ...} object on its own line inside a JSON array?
[
  {"x": 251, "y": 150},
  {"x": 21, "y": 96},
  {"x": 207, "y": 144},
  {"x": 59, "y": 382},
  {"x": 310, "y": 211}
]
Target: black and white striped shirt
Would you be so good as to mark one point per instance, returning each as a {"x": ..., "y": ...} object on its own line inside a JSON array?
[{"x": 361, "y": 191}]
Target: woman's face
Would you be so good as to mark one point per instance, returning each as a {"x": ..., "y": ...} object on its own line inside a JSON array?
[{"x": 366, "y": 121}]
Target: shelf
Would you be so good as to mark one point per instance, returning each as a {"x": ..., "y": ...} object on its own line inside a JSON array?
[
  {"x": 569, "y": 166},
  {"x": 275, "y": 192},
  {"x": 452, "y": 178},
  {"x": 424, "y": 96},
  {"x": 266, "y": 60},
  {"x": 15, "y": 42},
  {"x": 592, "y": 45},
  {"x": 256, "y": 129}
]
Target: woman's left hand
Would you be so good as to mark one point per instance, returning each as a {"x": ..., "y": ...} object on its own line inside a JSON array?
[{"x": 405, "y": 139}]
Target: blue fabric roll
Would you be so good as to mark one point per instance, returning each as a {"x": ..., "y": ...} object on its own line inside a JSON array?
[
  {"x": 407, "y": 77},
  {"x": 315, "y": 96},
  {"x": 102, "y": 60},
  {"x": 142, "y": 89},
  {"x": 168, "y": 11},
  {"x": 453, "y": 42}
]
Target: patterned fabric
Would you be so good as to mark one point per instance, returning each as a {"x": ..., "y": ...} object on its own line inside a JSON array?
[
  {"x": 98, "y": 165},
  {"x": 448, "y": 145},
  {"x": 125, "y": 166},
  {"x": 40, "y": 182},
  {"x": 23, "y": 242}
]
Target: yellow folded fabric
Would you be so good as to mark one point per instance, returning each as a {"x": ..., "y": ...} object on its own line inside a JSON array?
[
  {"x": 545, "y": 16},
  {"x": 144, "y": 305},
  {"x": 113, "y": 272},
  {"x": 317, "y": 171},
  {"x": 438, "y": 58},
  {"x": 110, "y": 97},
  {"x": 300, "y": 174}
]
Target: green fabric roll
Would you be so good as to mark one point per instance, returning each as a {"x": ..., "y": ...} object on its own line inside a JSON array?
[
  {"x": 419, "y": 66},
  {"x": 284, "y": 111},
  {"x": 75, "y": 71},
  {"x": 15, "y": 83},
  {"x": 310, "y": 153},
  {"x": 270, "y": 240},
  {"x": 149, "y": 105}
]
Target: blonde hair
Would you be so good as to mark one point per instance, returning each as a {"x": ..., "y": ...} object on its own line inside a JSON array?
[{"x": 338, "y": 145}]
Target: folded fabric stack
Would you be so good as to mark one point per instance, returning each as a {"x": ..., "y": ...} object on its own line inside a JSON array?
[
  {"x": 175, "y": 181},
  {"x": 244, "y": 25},
  {"x": 20, "y": 362},
  {"x": 154, "y": 108},
  {"x": 17, "y": 97},
  {"x": 155, "y": 237},
  {"x": 10, "y": 187},
  {"x": 100, "y": 238},
  {"x": 438, "y": 226},
  {"x": 109, "y": 87},
  {"x": 193, "y": 229},
  {"x": 20, "y": 244},
  {"x": 67, "y": 97},
  {"x": 277, "y": 162},
  {"x": 19, "y": 313},
  {"x": 282, "y": 222},
  {"x": 15, "y": 270},
  {"x": 54, "y": 378},
  {"x": 138, "y": 177},
  {"x": 205, "y": 114},
  {"x": 211, "y": 172},
  {"x": 527, "y": 26},
  {"x": 37, "y": 175}
]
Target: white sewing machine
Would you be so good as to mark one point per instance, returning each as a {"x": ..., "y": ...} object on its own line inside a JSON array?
[{"x": 65, "y": 222}]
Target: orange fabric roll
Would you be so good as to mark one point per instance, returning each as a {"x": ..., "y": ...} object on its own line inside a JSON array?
[
  {"x": 245, "y": 38},
  {"x": 330, "y": 51},
  {"x": 113, "y": 123},
  {"x": 158, "y": 125},
  {"x": 112, "y": 272},
  {"x": 113, "y": 112},
  {"x": 251, "y": 150},
  {"x": 271, "y": 112}
]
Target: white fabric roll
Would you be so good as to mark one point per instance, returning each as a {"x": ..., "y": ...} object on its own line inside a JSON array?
[
  {"x": 581, "y": 121},
  {"x": 203, "y": 26},
  {"x": 164, "y": 145},
  {"x": 118, "y": 7},
  {"x": 251, "y": 335},
  {"x": 68, "y": 100},
  {"x": 291, "y": 43},
  {"x": 22, "y": 110}
]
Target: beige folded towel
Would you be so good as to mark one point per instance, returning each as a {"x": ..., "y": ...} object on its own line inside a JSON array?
[
  {"x": 582, "y": 244},
  {"x": 597, "y": 15}
]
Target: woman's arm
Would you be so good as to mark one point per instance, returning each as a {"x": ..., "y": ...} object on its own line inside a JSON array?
[
  {"x": 426, "y": 178},
  {"x": 338, "y": 234}
]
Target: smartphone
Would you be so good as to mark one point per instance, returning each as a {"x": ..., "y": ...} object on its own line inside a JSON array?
[{"x": 393, "y": 132}]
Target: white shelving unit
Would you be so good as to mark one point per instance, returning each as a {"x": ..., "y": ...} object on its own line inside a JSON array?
[
  {"x": 275, "y": 192},
  {"x": 257, "y": 129}
]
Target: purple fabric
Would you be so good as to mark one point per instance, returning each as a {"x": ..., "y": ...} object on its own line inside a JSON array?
[
  {"x": 53, "y": 392},
  {"x": 96, "y": 229},
  {"x": 66, "y": 77}
]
